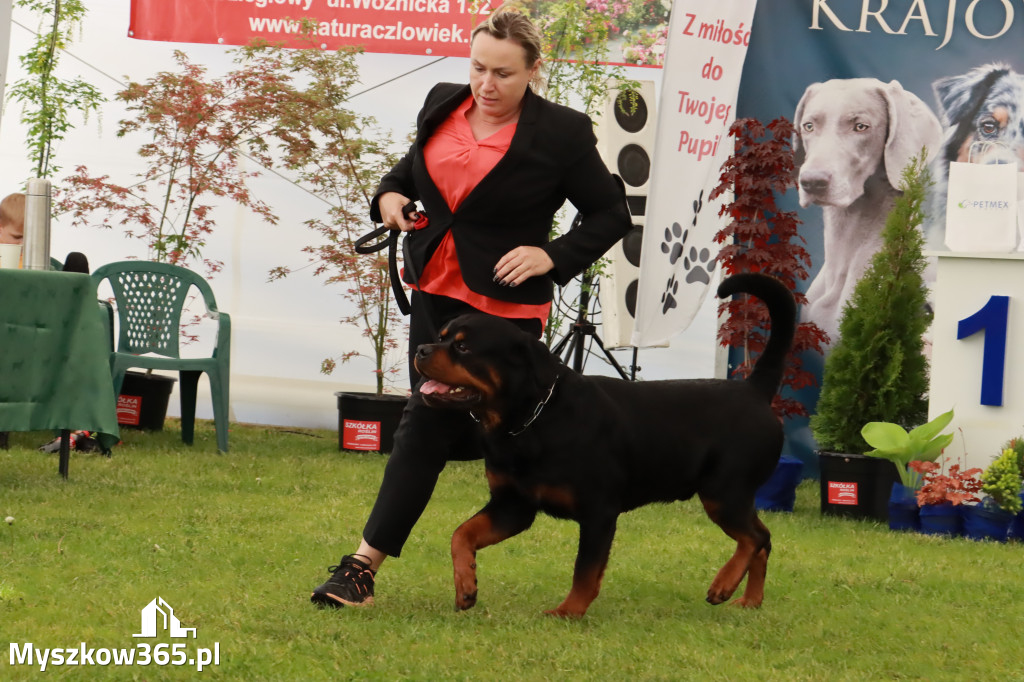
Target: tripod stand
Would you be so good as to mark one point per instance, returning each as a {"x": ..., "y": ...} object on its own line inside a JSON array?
[{"x": 572, "y": 343}]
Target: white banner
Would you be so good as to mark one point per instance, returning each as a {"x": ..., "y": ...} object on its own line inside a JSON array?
[{"x": 703, "y": 63}]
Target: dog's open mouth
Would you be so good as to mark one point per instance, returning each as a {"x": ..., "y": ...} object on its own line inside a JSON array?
[{"x": 439, "y": 393}]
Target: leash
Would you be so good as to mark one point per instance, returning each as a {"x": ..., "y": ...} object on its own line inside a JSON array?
[{"x": 364, "y": 246}]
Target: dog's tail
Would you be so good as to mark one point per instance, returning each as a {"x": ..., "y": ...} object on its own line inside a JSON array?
[{"x": 767, "y": 373}]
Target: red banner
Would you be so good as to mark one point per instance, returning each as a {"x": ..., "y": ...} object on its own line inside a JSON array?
[{"x": 423, "y": 27}]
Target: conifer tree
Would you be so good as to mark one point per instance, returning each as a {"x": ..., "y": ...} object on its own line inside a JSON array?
[{"x": 877, "y": 370}]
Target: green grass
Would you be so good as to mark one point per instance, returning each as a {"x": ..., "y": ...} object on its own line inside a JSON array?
[{"x": 235, "y": 543}]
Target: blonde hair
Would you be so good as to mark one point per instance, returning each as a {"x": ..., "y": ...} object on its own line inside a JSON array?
[
  {"x": 509, "y": 22},
  {"x": 12, "y": 209}
]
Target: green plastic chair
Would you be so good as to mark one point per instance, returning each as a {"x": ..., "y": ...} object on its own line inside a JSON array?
[{"x": 149, "y": 298}]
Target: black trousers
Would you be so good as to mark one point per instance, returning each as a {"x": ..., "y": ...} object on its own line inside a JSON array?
[{"x": 426, "y": 438}]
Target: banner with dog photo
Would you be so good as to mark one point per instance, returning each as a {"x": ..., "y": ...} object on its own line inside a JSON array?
[{"x": 867, "y": 85}]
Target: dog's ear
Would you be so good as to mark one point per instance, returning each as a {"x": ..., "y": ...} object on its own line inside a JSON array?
[
  {"x": 535, "y": 367},
  {"x": 958, "y": 95},
  {"x": 912, "y": 126},
  {"x": 799, "y": 152}
]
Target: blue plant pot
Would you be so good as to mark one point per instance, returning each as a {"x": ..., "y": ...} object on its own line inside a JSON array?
[
  {"x": 985, "y": 523},
  {"x": 1017, "y": 525},
  {"x": 903, "y": 509},
  {"x": 941, "y": 519}
]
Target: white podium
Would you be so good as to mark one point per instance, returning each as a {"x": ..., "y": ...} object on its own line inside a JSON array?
[{"x": 977, "y": 358}]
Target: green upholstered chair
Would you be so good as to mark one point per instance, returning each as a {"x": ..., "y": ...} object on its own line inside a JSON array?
[{"x": 149, "y": 298}]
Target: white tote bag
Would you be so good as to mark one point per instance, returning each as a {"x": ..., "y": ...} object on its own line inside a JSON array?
[{"x": 981, "y": 207}]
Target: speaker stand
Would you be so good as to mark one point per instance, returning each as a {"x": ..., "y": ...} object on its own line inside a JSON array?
[{"x": 572, "y": 344}]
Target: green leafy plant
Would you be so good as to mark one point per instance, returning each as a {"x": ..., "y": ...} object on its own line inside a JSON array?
[
  {"x": 46, "y": 99},
  {"x": 1001, "y": 481},
  {"x": 894, "y": 443},
  {"x": 956, "y": 487},
  {"x": 877, "y": 371},
  {"x": 1017, "y": 445}
]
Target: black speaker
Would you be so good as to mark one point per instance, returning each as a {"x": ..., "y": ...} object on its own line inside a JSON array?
[{"x": 625, "y": 137}]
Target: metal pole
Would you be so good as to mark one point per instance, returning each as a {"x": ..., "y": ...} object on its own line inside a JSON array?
[{"x": 37, "y": 225}]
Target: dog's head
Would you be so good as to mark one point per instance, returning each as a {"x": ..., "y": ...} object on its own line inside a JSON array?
[
  {"x": 488, "y": 365},
  {"x": 849, "y": 131},
  {"x": 983, "y": 112}
]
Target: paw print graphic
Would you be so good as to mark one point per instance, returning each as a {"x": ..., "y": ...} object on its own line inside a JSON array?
[
  {"x": 698, "y": 204},
  {"x": 675, "y": 241},
  {"x": 668, "y": 299},
  {"x": 698, "y": 265}
]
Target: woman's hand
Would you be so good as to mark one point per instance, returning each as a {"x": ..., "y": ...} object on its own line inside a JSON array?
[
  {"x": 522, "y": 263},
  {"x": 391, "y": 204}
]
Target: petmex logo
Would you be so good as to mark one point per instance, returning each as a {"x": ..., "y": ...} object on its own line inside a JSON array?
[{"x": 983, "y": 205}]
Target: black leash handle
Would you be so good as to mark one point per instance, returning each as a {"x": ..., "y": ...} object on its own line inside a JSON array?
[{"x": 371, "y": 243}]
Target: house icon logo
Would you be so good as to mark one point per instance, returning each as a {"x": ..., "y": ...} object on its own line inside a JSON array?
[{"x": 157, "y": 615}]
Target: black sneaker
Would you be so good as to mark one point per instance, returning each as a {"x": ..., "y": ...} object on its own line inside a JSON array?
[{"x": 350, "y": 585}]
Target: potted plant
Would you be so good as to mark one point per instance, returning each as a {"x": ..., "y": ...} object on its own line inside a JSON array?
[
  {"x": 894, "y": 443},
  {"x": 1017, "y": 525},
  {"x": 941, "y": 493},
  {"x": 1001, "y": 484},
  {"x": 877, "y": 370}
]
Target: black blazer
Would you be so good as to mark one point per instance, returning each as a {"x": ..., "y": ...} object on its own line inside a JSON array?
[{"x": 552, "y": 157}]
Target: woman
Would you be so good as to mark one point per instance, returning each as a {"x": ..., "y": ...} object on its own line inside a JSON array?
[{"x": 491, "y": 164}]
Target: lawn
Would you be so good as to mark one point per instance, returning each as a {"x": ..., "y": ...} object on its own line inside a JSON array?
[{"x": 234, "y": 543}]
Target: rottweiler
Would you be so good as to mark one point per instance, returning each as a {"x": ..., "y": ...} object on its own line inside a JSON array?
[{"x": 590, "y": 448}]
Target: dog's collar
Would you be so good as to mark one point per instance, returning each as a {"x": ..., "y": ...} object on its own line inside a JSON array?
[{"x": 536, "y": 412}]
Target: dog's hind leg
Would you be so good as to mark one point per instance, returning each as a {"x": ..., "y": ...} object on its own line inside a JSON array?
[
  {"x": 753, "y": 544},
  {"x": 596, "y": 537},
  {"x": 505, "y": 515},
  {"x": 753, "y": 595}
]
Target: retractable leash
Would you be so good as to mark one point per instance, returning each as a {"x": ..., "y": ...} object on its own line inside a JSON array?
[{"x": 364, "y": 246}]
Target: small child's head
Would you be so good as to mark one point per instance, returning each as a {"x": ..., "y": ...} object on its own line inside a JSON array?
[{"x": 12, "y": 219}]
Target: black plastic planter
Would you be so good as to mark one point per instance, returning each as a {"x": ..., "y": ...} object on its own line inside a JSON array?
[
  {"x": 142, "y": 403},
  {"x": 856, "y": 486},
  {"x": 367, "y": 421}
]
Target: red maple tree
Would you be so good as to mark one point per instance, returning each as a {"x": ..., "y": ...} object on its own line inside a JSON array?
[{"x": 762, "y": 238}]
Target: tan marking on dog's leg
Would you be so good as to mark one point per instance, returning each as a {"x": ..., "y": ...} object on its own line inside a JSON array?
[
  {"x": 475, "y": 533},
  {"x": 730, "y": 576},
  {"x": 753, "y": 595},
  {"x": 586, "y": 585}
]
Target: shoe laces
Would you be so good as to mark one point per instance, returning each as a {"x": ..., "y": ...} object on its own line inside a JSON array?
[{"x": 353, "y": 569}]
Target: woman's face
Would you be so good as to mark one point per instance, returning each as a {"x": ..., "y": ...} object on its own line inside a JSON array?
[{"x": 498, "y": 75}]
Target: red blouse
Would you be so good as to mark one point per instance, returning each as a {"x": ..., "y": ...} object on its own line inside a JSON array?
[{"x": 457, "y": 162}]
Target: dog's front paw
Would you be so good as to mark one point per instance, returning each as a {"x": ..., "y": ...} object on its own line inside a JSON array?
[
  {"x": 746, "y": 603},
  {"x": 465, "y": 601},
  {"x": 718, "y": 596},
  {"x": 465, "y": 587}
]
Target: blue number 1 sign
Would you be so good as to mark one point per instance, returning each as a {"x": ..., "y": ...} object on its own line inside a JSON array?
[{"x": 992, "y": 318}]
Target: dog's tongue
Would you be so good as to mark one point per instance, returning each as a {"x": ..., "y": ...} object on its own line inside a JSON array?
[{"x": 434, "y": 386}]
